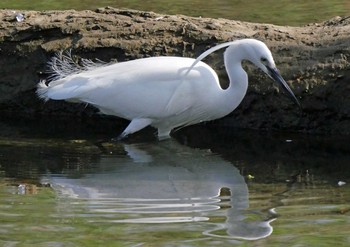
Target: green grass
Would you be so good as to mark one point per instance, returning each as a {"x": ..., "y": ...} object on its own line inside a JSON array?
[{"x": 283, "y": 12}]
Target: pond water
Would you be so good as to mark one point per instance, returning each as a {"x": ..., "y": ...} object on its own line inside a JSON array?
[
  {"x": 282, "y": 12},
  {"x": 65, "y": 184}
]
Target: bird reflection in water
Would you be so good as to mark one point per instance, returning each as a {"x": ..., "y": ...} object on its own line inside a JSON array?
[{"x": 166, "y": 182}]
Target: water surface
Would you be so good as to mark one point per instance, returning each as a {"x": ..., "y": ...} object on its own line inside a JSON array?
[{"x": 209, "y": 186}]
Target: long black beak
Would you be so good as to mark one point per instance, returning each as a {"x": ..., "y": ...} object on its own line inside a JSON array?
[{"x": 275, "y": 75}]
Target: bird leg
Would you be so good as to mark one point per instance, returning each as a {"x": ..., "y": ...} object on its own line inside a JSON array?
[
  {"x": 120, "y": 137},
  {"x": 135, "y": 125},
  {"x": 163, "y": 134}
]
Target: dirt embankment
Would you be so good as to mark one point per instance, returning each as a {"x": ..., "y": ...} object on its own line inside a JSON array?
[{"x": 313, "y": 59}]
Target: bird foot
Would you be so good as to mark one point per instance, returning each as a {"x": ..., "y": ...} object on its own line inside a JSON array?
[{"x": 119, "y": 138}]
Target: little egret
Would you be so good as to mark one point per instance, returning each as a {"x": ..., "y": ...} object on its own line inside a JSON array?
[{"x": 164, "y": 92}]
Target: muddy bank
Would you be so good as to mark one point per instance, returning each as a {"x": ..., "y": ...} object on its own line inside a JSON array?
[{"x": 313, "y": 59}]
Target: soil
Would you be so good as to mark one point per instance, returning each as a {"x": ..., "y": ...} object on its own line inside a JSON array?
[{"x": 313, "y": 59}]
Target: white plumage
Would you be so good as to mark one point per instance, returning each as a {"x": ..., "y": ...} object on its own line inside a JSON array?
[{"x": 164, "y": 92}]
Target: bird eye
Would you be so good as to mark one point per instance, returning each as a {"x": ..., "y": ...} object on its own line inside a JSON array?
[{"x": 263, "y": 60}]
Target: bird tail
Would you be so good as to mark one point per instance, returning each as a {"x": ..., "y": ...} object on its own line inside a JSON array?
[
  {"x": 61, "y": 66},
  {"x": 42, "y": 90}
]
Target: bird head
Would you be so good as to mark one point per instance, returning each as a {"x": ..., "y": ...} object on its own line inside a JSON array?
[{"x": 258, "y": 53}]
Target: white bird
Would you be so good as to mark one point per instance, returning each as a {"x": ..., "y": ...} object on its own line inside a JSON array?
[{"x": 164, "y": 92}]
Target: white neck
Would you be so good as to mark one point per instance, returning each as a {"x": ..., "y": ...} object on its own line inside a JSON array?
[{"x": 237, "y": 89}]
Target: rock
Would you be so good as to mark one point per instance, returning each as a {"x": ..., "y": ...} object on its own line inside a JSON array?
[{"x": 313, "y": 59}]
